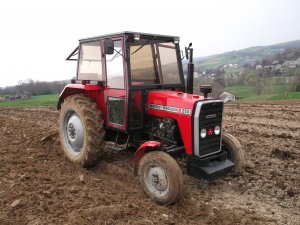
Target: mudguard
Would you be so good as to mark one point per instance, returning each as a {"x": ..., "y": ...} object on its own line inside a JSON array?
[
  {"x": 146, "y": 147},
  {"x": 71, "y": 89}
]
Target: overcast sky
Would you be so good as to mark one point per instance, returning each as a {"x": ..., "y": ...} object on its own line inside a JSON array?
[{"x": 37, "y": 36}]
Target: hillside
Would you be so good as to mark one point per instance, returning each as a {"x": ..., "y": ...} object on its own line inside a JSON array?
[{"x": 244, "y": 56}]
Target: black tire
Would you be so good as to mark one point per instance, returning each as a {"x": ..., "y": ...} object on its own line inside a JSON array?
[
  {"x": 89, "y": 132},
  {"x": 166, "y": 190},
  {"x": 234, "y": 151}
]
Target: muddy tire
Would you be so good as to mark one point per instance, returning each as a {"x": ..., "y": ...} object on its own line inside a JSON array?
[
  {"x": 234, "y": 151},
  {"x": 161, "y": 177},
  {"x": 81, "y": 130}
]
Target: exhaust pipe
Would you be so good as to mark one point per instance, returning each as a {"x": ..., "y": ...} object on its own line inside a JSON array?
[{"x": 190, "y": 74}]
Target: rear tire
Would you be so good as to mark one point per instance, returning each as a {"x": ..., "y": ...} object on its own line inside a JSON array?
[
  {"x": 234, "y": 151},
  {"x": 161, "y": 177},
  {"x": 81, "y": 130}
]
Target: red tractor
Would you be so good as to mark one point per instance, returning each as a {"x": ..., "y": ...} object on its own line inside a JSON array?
[{"x": 130, "y": 92}]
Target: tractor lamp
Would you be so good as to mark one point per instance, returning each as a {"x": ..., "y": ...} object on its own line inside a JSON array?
[
  {"x": 176, "y": 40},
  {"x": 136, "y": 37},
  {"x": 217, "y": 130},
  {"x": 203, "y": 133}
]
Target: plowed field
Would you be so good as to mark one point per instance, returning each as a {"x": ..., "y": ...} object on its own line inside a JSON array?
[{"x": 39, "y": 186}]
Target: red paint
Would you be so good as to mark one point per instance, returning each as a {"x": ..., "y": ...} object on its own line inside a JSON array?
[
  {"x": 95, "y": 92},
  {"x": 179, "y": 100},
  {"x": 162, "y": 97},
  {"x": 152, "y": 145}
]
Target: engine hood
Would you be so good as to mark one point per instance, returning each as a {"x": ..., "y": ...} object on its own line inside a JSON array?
[
  {"x": 178, "y": 106},
  {"x": 171, "y": 103}
]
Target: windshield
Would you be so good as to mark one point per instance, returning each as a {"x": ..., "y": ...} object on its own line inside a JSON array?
[{"x": 153, "y": 62}]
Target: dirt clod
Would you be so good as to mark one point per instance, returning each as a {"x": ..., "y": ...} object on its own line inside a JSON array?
[
  {"x": 81, "y": 178},
  {"x": 15, "y": 203}
]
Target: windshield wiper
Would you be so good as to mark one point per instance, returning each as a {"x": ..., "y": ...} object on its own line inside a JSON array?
[{"x": 147, "y": 42}]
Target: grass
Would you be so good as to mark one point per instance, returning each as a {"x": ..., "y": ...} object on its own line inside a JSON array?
[
  {"x": 292, "y": 95},
  {"x": 246, "y": 93},
  {"x": 242, "y": 91},
  {"x": 41, "y": 100}
]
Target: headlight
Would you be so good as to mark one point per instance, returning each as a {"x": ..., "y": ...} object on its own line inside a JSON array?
[
  {"x": 203, "y": 133},
  {"x": 217, "y": 130}
]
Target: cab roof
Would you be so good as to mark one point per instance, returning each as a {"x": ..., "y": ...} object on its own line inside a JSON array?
[
  {"x": 129, "y": 33},
  {"x": 123, "y": 33}
]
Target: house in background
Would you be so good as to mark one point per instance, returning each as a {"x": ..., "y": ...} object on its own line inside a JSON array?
[
  {"x": 258, "y": 67},
  {"x": 291, "y": 64},
  {"x": 226, "y": 96}
]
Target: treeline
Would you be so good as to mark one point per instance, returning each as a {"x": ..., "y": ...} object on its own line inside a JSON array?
[{"x": 32, "y": 88}]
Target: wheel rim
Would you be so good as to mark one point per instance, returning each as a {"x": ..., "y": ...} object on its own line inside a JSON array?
[
  {"x": 73, "y": 132},
  {"x": 156, "y": 180}
]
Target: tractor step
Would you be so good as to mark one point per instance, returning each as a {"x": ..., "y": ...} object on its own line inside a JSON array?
[
  {"x": 116, "y": 147},
  {"x": 209, "y": 168}
]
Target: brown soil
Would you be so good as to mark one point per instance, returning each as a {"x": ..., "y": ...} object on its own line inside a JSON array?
[{"x": 39, "y": 186}]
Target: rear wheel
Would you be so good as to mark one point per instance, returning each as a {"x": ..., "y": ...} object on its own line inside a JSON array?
[
  {"x": 161, "y": 177},
  {"x": 234, "y": 151},
  {"x": 81, "y": 130}
]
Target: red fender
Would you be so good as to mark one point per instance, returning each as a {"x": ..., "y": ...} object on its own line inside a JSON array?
[
  {"x": 149, "y": 145},
  {"x": 71, "y": 89}
]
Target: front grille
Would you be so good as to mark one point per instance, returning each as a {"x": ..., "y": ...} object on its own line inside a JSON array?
[{"x": 207, "y": 115}]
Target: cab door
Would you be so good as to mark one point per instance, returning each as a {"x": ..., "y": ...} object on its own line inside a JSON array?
[{"x": 115, "y": 92}]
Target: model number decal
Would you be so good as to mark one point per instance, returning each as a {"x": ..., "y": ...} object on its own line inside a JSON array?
[
  {"x": 164, "y": 108},
  {"x": 185, "y": 111}
]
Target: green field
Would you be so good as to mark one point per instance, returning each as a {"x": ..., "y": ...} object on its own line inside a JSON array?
[
  {"x": 41, "y": 100},
  {"x": 245, "y": 93},
  {"x": 292, "y": 95},
  {"x": 276, "y": 92},
  {"x": 242, "y": 91}
]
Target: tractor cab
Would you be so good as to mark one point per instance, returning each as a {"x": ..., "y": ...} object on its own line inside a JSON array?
[{"x": 127, "y": 65}]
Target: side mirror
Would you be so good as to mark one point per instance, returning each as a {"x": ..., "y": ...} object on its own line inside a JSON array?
[{"x": 108, "y": 46}]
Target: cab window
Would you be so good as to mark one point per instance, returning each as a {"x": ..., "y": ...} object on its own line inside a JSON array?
[
  {"x": 153, "y": 62},
  {"x": 90, "y": 65},
  {"x": 115, "y": 67}
]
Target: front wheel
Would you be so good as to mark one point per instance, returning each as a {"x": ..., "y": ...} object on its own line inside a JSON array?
[
  {"x": 234, "y": 151},
  {"x": 161, "y": 177}
]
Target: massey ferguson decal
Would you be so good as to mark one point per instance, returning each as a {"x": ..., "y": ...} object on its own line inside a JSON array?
[
  {"x": 185, "y": 111},
  {"x": 170, "y": 109},
  {"x": 164, "y": 108}
]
